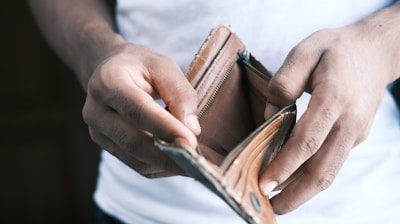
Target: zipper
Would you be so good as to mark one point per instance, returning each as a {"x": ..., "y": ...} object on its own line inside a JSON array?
[
  {"x": 242, "y": 55},
  {"x": 217, "y": 89}
]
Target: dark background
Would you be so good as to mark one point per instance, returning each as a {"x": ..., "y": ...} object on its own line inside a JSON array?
[{"x": 48, "y": 164}]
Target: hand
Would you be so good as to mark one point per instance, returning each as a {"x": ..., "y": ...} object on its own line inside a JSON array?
[
  {"x": 346, "y": 70},
  {"x": 123, "y": 117}
]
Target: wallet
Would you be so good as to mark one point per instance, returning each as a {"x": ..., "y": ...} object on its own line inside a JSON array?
[{"x": 236, "y": 142}]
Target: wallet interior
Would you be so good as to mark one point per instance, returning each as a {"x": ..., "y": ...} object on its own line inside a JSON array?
[
  {"x": 236, "y": 141},
  {"x": 232, "y": 107}
]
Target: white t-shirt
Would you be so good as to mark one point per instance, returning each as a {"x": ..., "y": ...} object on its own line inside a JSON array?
[{"x": 366, "y": 189}]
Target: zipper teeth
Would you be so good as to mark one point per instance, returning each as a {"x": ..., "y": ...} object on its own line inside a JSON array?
[{"x": 214, "y": 94}]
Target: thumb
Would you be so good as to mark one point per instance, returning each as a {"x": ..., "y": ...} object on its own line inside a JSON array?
[
  {"x": 180, "y": 97},
  {"x": 292, "y": 78}
]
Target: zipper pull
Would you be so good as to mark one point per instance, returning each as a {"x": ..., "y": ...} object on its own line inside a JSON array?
[{"x": 244, "y": 55}]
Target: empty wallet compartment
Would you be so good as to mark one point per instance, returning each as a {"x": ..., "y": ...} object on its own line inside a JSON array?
[{"x": 236, "y": 141}]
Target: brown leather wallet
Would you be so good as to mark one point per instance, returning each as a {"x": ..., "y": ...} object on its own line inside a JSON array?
[{"x": 236, "y": 142}]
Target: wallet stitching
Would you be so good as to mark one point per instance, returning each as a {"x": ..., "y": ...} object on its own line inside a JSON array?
[
  {"x": 200, "y": 52},
  {"x": 208, "y": 76}
]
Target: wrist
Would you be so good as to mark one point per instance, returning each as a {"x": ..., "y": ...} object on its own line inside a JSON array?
[{"x": 97, "y": 44}]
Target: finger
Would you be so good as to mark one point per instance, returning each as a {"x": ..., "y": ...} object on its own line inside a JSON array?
[
  {"x": 146, "y": 169},
  {"x": 108, "y": 145},
  {"x": 306, "y": 138},
  {"x": 291, "y": 80},
  {"x": 318, "y": 173},
  {"x": 142, "y": 111},
  {"x": 292, "y": 77},
  {"x": 178, "y": 94},
  {"x": 298, "y": 173},
  {"x": 126, "y": 137}
]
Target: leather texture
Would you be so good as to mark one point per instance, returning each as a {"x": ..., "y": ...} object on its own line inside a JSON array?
[{"x": 236, "y": 141}]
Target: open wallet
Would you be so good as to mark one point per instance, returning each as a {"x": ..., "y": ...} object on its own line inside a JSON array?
[{"x": 236, "y": 141}]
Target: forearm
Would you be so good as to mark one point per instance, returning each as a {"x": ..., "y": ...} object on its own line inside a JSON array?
[{"x": 81, "y": 32}]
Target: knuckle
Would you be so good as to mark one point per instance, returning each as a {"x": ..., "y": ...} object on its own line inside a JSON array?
[
  {"x": 309, "y": 46},
  {"x": 287, "y": 207},
  {"x": 94, "y": 136},
  {"x": 137, "y": 113},
  {"x": 327, "y": 115},
  {"x": 333, "y": 94},
  {"x": 162, "y": 64},
  {"x": 129, "y": 142},
  {"x": 103, "y": 84},
  {"x": 362, "y": 130},
  {"x": 319, "y": 38},
  {"x": 298, "y": 50},
  {"x": 358, "y": 130},
  {"x": 141, "y": 147},
  {"x": 324, "y": 181},
  {"x": 308, "y": 146},
  {"x": 96, "y": 83},
  {"x": 124, "y": 140},
  {"x": 88, "y": 113},
  {"x": 363, "y": 136},
  {"x": 133, "y": 146},
  {"x": 170, "y": 62}
]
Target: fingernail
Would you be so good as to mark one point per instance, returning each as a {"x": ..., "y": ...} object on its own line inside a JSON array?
[
  {"x": 270, "y": 111},
  {"x": 193, "y": 123},
  {"x": 268, "y": 187}
]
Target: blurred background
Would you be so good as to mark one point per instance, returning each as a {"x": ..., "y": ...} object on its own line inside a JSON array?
[{"x": 48, "y": 164}]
